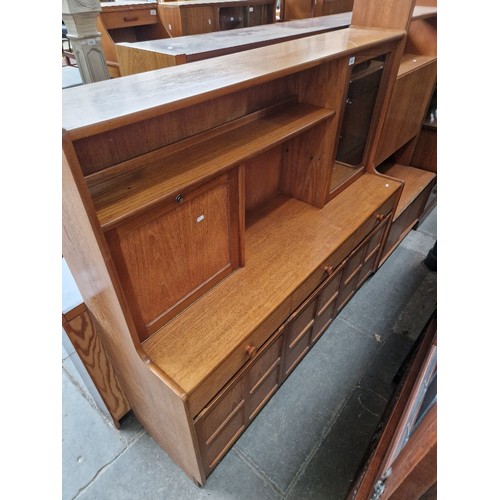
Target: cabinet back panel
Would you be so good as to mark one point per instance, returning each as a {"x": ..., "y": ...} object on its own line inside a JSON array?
[
  {"x": 98, "y": 152},
  {"x": 262, "y": 177}
]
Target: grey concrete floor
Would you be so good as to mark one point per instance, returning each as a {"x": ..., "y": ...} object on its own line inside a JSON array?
[{"x": 309, "y": 440}]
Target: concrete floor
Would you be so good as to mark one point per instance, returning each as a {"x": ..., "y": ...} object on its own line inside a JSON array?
[{"x": 310, "y": 439}]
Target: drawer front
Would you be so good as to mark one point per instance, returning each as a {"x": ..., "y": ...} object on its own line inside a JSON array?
[
  {"x": 326, "y": 307},
  {"x": 241, "y": 356},
  {"x": 264, "y": 378},
  {"x": 298, "y": 336},
  {"x": 321, "y": 274},
  {"x": 362, "y": 262},
  {"x": 376, "y": 218},
  {"x": 220, "y": 424},
  {"x": 124, "y": 19},
  {"x": 373, "y": 251}
]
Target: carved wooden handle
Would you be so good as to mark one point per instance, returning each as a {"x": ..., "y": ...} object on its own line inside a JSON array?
[
  {"x": 251, "y": 350},
  {"x": 380, "y": 217},
  {"x": 329, "y": 270},
  {"x": 130, "y": 19}
]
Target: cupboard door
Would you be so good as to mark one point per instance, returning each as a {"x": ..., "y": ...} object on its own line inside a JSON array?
[
  {"x": 198, "y": 19},
  {"x": 169, "y": 256}
]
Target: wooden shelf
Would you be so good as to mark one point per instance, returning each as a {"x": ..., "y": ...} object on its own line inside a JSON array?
[
  {"x": 413, "y": 62},
  {"x": 138, "y": 184},
  {"x": 415, "y": 181},
  {"x": 286, "y": 240}
]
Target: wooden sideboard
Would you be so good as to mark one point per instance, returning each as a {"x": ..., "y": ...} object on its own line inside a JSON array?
[
  {"x": 192, "y": 17},
  {"x": 155, "y": 54},
  {"x": 127, "y": 21},
  {"x": 405, "y": 127},
  {"x": 213, "y": 229},
  {"x": 303, "y": 9}
]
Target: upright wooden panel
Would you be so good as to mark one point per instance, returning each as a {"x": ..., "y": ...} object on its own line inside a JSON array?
[
  {"x": 154, "y": 398},
  {"x": 388, "y": 14},
  {"x": 306, "y": 166},
  {"x": 409, "y": 102},
  {"x": 422, "y": 37},
  {"x": 262, "y": 178}
]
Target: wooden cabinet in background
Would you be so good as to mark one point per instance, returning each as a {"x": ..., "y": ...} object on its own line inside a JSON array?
[
  {"x": 205, "y": 230},
  {"x": 303, "y": 9},
  {"x": 193, "y": 17},
  {"x": 138, "y": 57},
  {"x": 397, "y": 154},
  {"x": 127, "y": 21}
]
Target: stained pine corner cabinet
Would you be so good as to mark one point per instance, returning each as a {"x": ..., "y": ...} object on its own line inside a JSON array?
[{"x": 218, "y": 215}]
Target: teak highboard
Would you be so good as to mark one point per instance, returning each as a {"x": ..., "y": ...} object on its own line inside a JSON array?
[{"x": 218, "y": 215}]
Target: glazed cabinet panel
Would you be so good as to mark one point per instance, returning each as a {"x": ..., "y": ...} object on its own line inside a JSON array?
[{"x": 169, "y": 255}]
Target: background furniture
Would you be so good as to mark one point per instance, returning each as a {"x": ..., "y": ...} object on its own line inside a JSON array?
[
  {"x": 127, "y": 21},
  {"x": 206, "y": 16},
  {"x": 407, "y": 147},
  {"x": 303, "y": 9},
  {"x": 81, "y": 335},
  {"x": 402, "y": 462},
  {"x": 155, "y": 54},
  {"x": 212, "y": 228}
]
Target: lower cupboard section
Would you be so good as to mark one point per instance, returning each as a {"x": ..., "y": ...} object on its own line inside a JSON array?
[{"x": 220, "y": 424}]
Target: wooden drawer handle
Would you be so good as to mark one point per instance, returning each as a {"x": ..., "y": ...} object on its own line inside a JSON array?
[
  {"x": 380, "y": 217},
  {"x": 130, "y": 19},
  {"x": 251, "y": 350},
  {"x": 329, "y": 270}
]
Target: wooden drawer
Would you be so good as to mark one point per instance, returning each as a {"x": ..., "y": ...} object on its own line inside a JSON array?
[
  {"x": 298, "y": 335},
  {"x": 362, "y": 263},
  {"x": 264, "y": 378},
  {"x": 326, "y": 307},
  {"x": 127, "y": 18},
  {"x": 224, "y": 419},
  {"x": 201, "y": 396},
  {"x": 320, "y": 275},
  {"x": 376, "y": 218},
  {"x": 221, "y": 424},
  {"x": 372, "y": 252}
]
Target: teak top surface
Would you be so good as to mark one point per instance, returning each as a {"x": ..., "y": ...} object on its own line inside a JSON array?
[
  {"x": 412, "y": 62},
  {"x": 282, "y": 250},
  {"x": 218, "y": 40},
  {"x": 422, "y": 11},
  {"x": 101, "y": 106},
  {"x": 415, "y": 180}
]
